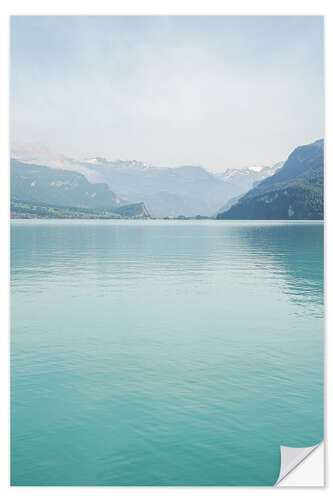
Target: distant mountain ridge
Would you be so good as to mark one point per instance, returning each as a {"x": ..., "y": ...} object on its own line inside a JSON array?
[
  {"x": 188, "y": 190},
  {"x": 295, "y": 191},
  {"x": 256, "y": 173}
]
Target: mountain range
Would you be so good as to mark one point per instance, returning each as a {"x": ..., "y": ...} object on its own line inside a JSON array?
[
  {"x": 295, "y": 191},
  {"x": 42, "y": 183},
  {"x": 186, "y": 190}
]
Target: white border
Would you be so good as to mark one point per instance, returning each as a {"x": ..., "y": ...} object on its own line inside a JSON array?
[{"x": 127, "y": 7}]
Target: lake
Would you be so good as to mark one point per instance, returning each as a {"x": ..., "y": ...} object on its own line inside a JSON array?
[{"x": 163, "y": 352}]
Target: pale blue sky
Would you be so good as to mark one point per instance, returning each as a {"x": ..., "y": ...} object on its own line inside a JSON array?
[{"x": 217, "y": 91}]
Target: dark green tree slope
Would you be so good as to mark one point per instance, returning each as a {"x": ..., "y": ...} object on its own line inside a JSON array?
[{"x": 295, "y": 192}]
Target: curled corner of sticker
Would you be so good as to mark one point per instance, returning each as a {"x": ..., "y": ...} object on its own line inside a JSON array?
[{"x": 291, "y": 458}]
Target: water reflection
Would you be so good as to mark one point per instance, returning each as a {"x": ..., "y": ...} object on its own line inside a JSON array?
[
  {"x": 292, "y": 253},
  {"x": 295, "y": 251}
]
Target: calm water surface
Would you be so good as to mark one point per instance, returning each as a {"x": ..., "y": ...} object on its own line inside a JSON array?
[{"x": 164, "y": 353}]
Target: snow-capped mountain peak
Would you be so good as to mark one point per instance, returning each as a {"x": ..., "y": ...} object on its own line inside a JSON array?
[{"x": 257, "y": 172}]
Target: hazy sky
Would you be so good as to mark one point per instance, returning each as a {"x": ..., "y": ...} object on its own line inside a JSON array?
[{"x": 216, "y": 91}]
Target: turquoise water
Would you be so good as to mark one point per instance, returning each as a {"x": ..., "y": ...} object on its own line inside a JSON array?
[{"x": 164, "y": 353}]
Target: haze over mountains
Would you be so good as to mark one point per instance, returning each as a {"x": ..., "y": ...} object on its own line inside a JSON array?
[
  {"x": 40, "y": 190},
  {"x": 293, "y": 190},
  {"x": 187, "y": 190}
]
